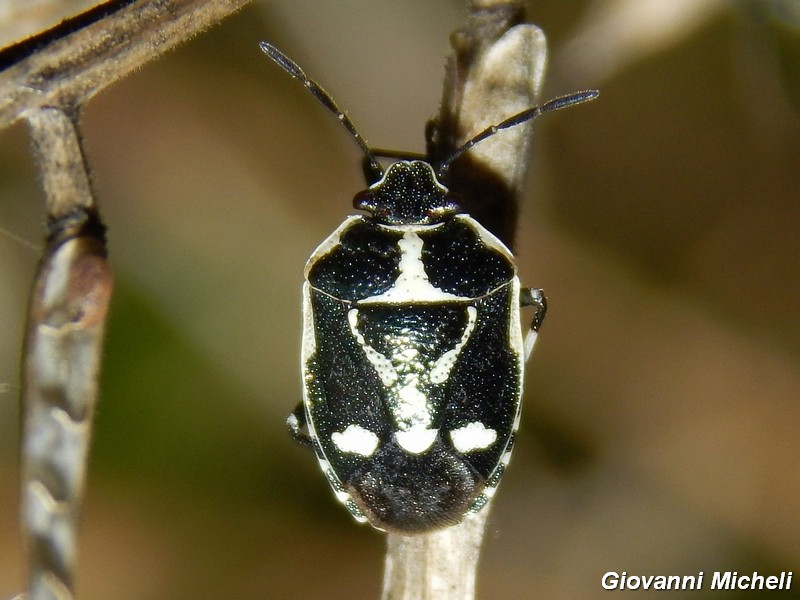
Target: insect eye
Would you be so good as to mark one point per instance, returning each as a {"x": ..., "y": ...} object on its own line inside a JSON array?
[
  {"x": 450, "y": 207},
  {"x": 364, "y": 201}
]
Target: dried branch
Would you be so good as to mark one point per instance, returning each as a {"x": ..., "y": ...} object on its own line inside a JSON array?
[
  {"x": 46, "y": 80},
  {"x": 66, "y": 65},
  {"x": 62, "y": 357},
  {"x": 20, "y": 19},
  {"x": 438, "y": 565},
  {"x": 496, "y": 71}
]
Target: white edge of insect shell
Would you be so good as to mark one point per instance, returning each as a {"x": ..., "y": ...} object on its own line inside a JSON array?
[
  {"x": 488, "y": 238},
  {"x": 309, "y": 345},
  {"x": 521, "y": 348}
]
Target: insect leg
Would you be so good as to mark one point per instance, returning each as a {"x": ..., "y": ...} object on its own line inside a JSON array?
[
  {"x": 533, "y": 297},
  {"x": 296, "y": 421}
]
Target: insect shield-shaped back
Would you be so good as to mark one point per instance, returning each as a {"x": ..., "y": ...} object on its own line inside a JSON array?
[{"x": 412, "y": 355}]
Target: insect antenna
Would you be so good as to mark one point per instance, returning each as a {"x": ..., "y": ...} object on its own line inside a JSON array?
[
  {"x": 291, "y": 67},
  {"x": 517, "y": 119}
]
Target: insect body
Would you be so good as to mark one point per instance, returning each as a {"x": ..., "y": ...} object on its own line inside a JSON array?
[{"x": 413, "y": 351}]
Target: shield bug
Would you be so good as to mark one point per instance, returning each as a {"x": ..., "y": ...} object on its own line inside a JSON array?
[{"x": 413, "y": 350}]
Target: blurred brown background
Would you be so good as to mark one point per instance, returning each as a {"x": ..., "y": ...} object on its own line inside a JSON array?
[{"x": 660, "y": 432}]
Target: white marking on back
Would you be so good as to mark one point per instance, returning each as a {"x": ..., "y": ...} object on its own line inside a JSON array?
[
  {"x": 407, "y": 380},
  {"x": 412, "y": 284},
  {"x": 445, "y": 363},
  {"x": 417, "y": 439},
  {"x": 473, "y": 436},
  {"x": 356, "y": 440},
  {"x": 383, "y": 366},
  {"x": 411, "y": 408}
]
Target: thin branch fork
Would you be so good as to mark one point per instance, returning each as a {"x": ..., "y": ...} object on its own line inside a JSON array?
[
  {"x": 63, "y": 347},
  {"x": 68, "y": 64},
  {"x": 46, "y": 80}
]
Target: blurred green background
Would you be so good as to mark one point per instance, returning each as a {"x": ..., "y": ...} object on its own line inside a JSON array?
[{"x": 661, "y": 426}]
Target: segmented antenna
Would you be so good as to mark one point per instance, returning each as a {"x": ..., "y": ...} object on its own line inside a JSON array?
[
  {"x": 517, "y": 119},
  {"x": 291, "y": 67}
]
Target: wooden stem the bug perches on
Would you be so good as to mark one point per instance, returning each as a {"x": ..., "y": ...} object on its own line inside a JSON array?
[
  {"x": 46, "y": 80},
  {"x": 66, "y": 65},
  {"x": 495, "y": 71},
  {"x": 63, "y": 347}
]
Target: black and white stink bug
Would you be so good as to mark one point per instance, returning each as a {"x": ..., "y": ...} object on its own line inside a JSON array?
[{"x": 413, "y": 351}]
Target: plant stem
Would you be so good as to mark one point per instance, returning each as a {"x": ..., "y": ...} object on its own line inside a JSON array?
[
  {"x": 496, "y": 70},
  {"x": 47, "y": 79}
]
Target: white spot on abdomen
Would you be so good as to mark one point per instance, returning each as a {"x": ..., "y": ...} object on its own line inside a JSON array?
[
  {"x": 356, "y": 440},
  {"x": 417, "y": 439},
  {"x": 473, "y": 436}
]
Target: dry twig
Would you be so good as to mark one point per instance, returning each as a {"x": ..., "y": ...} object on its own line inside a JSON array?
[
  {"x": 46, "y": 80},
  {"x": 496, "y": 70},
  {"x": 66, "y": 65},
  {"x": 62, "y": 357}
]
